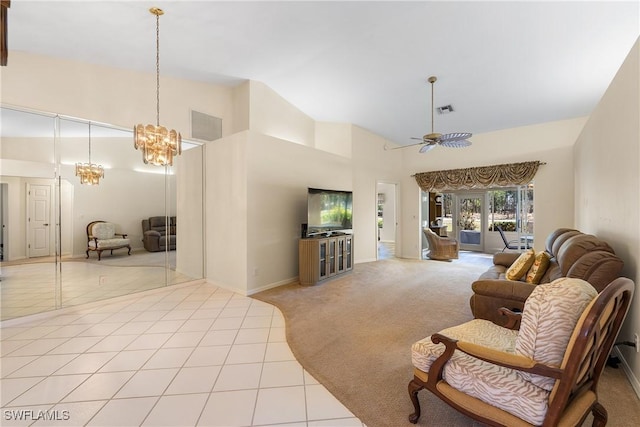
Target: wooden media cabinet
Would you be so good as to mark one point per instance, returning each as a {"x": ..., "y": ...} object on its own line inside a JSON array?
[{"x": 323, "y": 257}]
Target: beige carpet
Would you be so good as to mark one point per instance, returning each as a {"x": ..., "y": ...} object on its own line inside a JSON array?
[{"x": 354, "y": 335}]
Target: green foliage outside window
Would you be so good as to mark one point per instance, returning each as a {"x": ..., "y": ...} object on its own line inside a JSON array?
[
  {"x": 505, "y": 225},
  {"x": 336, "y": 215}
]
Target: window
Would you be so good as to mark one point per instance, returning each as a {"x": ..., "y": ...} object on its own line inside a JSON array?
[{"x": 511, "y": 209}]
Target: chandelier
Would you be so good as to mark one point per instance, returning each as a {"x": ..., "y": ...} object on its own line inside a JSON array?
[
  {"x": 89, "y": 173},
  {"x": 158, "y": 144}
]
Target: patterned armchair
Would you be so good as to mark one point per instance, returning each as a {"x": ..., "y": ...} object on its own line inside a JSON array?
[
  {"x": 544, "y": 374},
  {"x": 102, "y": 236},
  {"x": 441, "y": 248}
]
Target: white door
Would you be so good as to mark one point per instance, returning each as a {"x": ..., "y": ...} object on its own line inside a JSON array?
[{"x": 39, "y": 218}]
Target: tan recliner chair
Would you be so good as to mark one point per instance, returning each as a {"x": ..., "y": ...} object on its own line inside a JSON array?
[{"x": 441, "y": 248}]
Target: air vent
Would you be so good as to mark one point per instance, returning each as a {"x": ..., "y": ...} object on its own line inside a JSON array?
[
  {"x": 445, "y": 109},
  {"x": 205, "y": 127}
]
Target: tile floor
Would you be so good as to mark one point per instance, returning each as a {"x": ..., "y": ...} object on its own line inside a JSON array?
[
  {"x": 185, "y": 355},
  {"x": 29, "y": 287}
]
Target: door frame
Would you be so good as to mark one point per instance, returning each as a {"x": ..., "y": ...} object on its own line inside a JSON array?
[
  {"x": 396, "y": 197},
  {"x": 482, "y": 195},
  {"x": 50, "y": 228}
]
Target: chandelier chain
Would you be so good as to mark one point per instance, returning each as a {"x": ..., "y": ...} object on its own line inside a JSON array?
[
  {"x": 89, "y": 143},
  {"x": 158, "y": 70},
  {"x": 432, "y": 107}
]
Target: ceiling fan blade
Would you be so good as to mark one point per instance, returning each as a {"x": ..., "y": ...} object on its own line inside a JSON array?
[
  {"x": 416, "y": 138},
  {"x": 426, "y": 147},
  {"x": 457, "y": 143},
  {"x": 404, "y": 146},
  {"x": 457, "y": 136}
]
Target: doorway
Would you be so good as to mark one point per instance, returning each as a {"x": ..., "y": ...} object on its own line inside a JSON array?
[
  {"x": 386, "y": 220},
  {"x": 469, "y": 214},
  {"x": 38, "y": 220}
]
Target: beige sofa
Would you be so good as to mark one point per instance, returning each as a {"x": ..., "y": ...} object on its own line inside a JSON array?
[{"x": 573, "y": 254}]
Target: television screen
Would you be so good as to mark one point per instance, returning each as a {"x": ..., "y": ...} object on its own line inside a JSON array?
[{"x": 329, "y": 210}]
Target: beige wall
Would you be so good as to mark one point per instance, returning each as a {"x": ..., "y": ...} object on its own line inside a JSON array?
[
  {"x": 371, "y": 165},
  {"x": 189, "y": 182},
  {"x": 334, "y": 138},
  {"x": 272, "y": 115},
  {"x": 607, "y": 159},
  {"x": 548, "y": 142},
  {"x": 83, "y": 204},
  {"x": 109, "y": 95},
  {"x": 121, "y": 98},
  {"x": 226, "y": 212},
  {"x": 278, "y": 174}
]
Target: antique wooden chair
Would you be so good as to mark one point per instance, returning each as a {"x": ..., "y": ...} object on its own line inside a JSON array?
[
  {"x": 102, "y": 236},
  {"x": 441, "y": 248},
  {"x": 544, "y": 374}
]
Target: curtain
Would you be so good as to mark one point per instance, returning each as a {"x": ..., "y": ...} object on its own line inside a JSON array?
[{"x": 506, "y": 175}]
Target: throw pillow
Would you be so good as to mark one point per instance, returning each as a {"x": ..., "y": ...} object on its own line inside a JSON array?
[
  {"x": 539, "y": 267},
  {"x": 550, "y": 314},
  {"x": 520, "y": 267}
]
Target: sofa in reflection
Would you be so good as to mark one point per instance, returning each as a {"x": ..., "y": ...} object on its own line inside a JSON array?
[{"x": 159, "y": 233}]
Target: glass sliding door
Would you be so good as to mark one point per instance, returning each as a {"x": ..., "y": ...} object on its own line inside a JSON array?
[
  {"x": 525, "y": 209},
  {"x": 511, "y": 209},
  {"x": 469, "y": 221}
]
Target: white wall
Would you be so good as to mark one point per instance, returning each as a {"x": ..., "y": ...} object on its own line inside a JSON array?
[
  {"x": 109, "y": 95},
  {"x": 272, "y": 115},
  {"x": 189, "y": 181},
  {"x": 120, "y": 98},
  {"x": 334, "y": 138},
  {"x": 371, "y": 165},
  {"x": 547, "y": 142},
  {"x": 279, "y": 173},
  {"x": 256, "y": 189},
  {"x": 226, "y": 212},
  {"x": 116, "y": 200},
  {"x": 607, "y": 165}
]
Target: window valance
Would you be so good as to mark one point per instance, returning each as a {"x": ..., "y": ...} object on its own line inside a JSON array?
[{"x": 506, "y": 175}]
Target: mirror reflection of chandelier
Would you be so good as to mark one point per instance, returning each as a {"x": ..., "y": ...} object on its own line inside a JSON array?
[
  {"x": 158, "y": 144},
  {"x": 89, "y": 173}
]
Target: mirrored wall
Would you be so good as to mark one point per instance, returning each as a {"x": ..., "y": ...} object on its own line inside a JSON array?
[{"x": 45, "y": 211}]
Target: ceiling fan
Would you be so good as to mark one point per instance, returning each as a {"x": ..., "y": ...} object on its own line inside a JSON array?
[{"x": 430, "y": 140}]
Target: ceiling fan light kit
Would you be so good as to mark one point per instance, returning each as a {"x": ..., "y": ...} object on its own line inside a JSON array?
[{"x": 430, "y": 140}]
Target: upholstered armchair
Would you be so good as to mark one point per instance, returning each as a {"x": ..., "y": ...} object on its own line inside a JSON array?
[
  {"x": 545, "y": 374},
  {"x": 159, "y": 233},
  {"x": 441, "y": 248},
  {"x": 102, "y": 236}
]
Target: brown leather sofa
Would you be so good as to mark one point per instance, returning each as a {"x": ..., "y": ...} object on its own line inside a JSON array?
[
  {"x": 156, "y": 235},
  {"x": 573, "y": 254}
]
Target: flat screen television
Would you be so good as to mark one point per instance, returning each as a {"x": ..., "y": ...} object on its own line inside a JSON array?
[{"x": 329, "y": 211}]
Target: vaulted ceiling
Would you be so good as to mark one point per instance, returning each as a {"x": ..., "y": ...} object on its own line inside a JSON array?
[{"x": 499, "y": 64}]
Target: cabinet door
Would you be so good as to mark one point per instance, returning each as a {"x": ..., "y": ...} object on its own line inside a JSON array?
[
  {"x": 331, "y": 256},
  {"x": 348, "y": 252},
  {"x": 341, "y": 254},
  {"x": 323, "y": 251}
]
